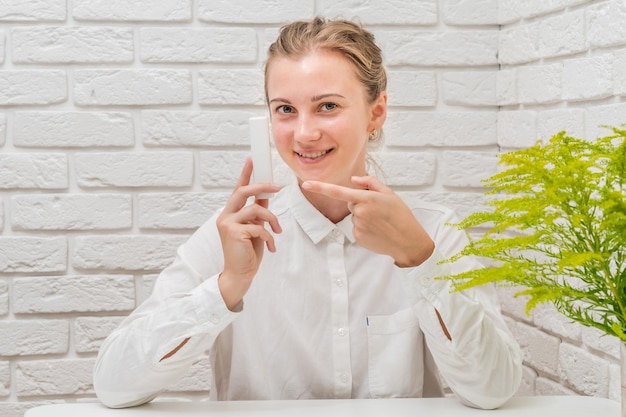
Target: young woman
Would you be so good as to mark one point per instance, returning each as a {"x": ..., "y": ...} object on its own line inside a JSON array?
[{"x": 326, "y": 290}]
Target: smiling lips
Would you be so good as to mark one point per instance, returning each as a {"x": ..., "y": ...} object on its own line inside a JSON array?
[{"x": 313, "y": 155}]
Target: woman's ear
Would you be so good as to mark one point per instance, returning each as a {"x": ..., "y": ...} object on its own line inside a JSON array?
[{"x": 378, "y": 112}]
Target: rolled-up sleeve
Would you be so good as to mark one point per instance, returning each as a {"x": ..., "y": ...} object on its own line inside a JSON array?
[
  {"x": 480, "y": 361},
  {"x": 184, "y": 310}
]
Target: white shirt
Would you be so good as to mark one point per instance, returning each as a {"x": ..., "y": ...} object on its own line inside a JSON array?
[{"x": 323, "y": 318}]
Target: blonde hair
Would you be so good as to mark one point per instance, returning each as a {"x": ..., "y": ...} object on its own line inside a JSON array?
[{"x": 348, "y": 38}]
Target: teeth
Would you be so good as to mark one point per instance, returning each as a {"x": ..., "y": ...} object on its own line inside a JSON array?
[{"x": 313, "y": 155}]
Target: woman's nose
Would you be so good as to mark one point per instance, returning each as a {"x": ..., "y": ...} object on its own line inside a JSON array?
[{"x": 306, "y": 129}]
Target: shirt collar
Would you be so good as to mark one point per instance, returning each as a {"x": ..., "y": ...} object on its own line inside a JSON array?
[{"x": 314, "y": 224}]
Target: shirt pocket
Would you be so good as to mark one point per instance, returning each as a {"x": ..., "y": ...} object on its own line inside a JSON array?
[{"x": 395, "y": 355}]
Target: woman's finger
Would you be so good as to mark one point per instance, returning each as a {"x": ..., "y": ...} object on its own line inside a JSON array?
[
  {"x": 255, "y": 213},
  {"x": 258, "y": 231},
  {"x": 244, "y": 190},
  {"x": 370, "y": 183}
]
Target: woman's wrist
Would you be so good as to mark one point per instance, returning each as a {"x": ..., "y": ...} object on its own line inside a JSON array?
[
  {"x": 232, "y": 290},
  {"x": 413, "y": 257}
]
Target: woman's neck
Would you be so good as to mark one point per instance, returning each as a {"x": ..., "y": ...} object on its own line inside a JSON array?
[{"x": 333, "y": 209}]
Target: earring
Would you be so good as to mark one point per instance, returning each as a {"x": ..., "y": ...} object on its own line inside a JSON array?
[{"x": 372, "y": 135}]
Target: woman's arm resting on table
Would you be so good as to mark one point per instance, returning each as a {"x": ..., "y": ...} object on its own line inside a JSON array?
[{"x": 156, "y": 344}]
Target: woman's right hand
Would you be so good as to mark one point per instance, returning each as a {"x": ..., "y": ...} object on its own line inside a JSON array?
[{"x": 243, "y": 234}]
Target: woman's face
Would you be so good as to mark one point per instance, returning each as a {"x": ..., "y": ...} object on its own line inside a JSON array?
[{"x": 321, "y": 117}]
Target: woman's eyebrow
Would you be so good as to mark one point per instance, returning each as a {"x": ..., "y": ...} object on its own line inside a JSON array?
[
  {"x": 282, "y": 100},
  {"x": 313, "y": 99},
  {"x": 323, "y": 96}
]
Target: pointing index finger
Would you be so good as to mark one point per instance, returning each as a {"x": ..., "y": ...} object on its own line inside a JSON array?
[{"x": 335, "y": 191}]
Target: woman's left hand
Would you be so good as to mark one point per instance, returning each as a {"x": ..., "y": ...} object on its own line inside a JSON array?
[{"x": 382, "y": 222}]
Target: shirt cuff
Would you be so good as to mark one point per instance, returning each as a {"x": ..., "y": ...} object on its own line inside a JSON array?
[
  {"x": 422, "y": 282},
  {"x": 210, "y": 307}
]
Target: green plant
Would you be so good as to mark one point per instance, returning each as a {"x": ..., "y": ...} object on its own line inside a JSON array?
[{"x": 557, "y": 228}]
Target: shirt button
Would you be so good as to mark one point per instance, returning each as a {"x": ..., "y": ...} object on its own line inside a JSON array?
[
  {"x": 336, "y": 232},
  {"x": 341, "y": 331},
  {"x": 344, "y": 378},
  {"x": 339, "y": 283},
  {"x": 214, "y": 318}
]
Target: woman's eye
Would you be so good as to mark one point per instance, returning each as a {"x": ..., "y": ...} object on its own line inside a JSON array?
[
  {"x": 284, "y": 109},
  {"x": 328, "y": 106}
]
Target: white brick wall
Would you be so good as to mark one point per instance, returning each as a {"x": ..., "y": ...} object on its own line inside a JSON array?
[
  {"x": 140, "y": 10},
  {"x": 130, "y": 87},
  {"x": 47, "y": 45},
  {"x": 31, "y": 87},
  {"x": 123, "y": 126},
  {"x": 51, "y": 129}
]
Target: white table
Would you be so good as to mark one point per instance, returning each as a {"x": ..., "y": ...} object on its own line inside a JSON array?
[{"x": 552, "y": 406}]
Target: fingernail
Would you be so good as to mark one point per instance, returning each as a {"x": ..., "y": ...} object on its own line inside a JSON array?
[{"x": 307, "y": 185}]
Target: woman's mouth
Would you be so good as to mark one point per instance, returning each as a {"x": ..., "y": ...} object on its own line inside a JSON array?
[{"x": 313, "y": 155}]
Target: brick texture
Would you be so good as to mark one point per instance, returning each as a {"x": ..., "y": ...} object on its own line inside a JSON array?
[
  {"x": 32, "y": 87},
  {"x": 3, "y": 129},
  {"x": 67, "y": 293},
  {"x": 71, "y": 212},
  {"x": 4, "y": 298},
  {"x": 142, "y": 10},
  {"x": 52, "y": 129},
  {"x": 72, "y": 45},
  {"x": 34, "y": 337},
  {"x": 126, "y": 87},
  {"x": 228, "y": 45},
  {"x": 33, "y": 11},
  {"x": 2, "y": 47},
  {"x": 124, "y": 126},
  {"x": 147, "y": 169}
]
